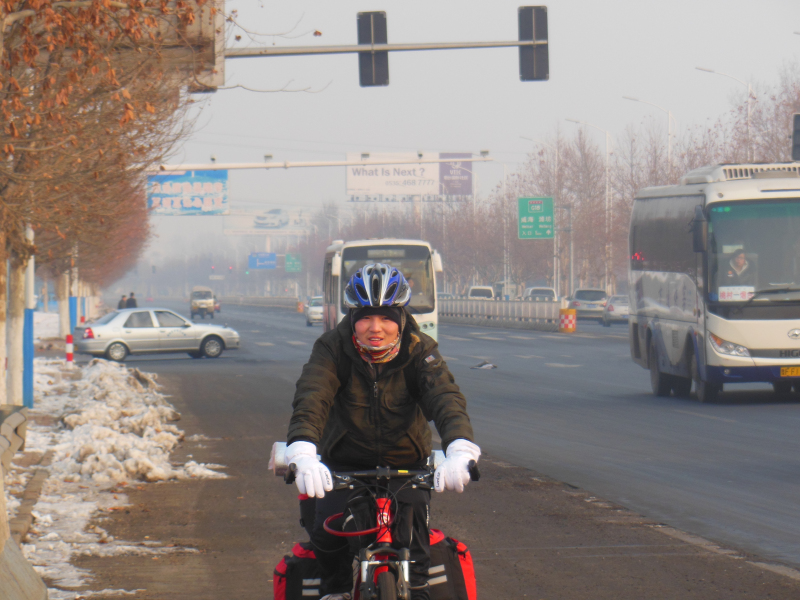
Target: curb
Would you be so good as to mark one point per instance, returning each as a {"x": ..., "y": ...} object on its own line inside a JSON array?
[{"x": 21, "y": 523}]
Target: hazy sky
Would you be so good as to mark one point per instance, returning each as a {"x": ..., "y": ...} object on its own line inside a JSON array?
[{"x": 469, "y": 100}]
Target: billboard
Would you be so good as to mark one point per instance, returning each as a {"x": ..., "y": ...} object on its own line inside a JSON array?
[
  {"x": 409, "y": 182},
  {"x": 188, "y": 193},
  {"x": 271, "y": 222}
]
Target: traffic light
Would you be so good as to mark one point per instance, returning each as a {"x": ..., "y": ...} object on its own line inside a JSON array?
[
  {"x": 373, "y": 67},
  {"x": 796, "y": 137},
  {"x": 247, "y": 272},
  {"x": 534, "y": 61},
  {"x": 212, "y": 267},
  {"x": 230, "y": 268}
]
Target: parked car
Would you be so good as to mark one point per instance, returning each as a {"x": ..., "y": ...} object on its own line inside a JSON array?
[
  {"x": 152, "y": 330},
  {"x": 588, "y": 303},
  {"x": 314, "y": 311},
  {"x": 480, "y": 292},
  {"x": 616, "y": 310},
  {"x": 201, "y": 302},
  {"x": 540, "y": 294}
]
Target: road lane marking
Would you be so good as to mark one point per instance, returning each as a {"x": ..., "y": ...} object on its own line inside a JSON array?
[
  {"x": 264, "y": 344},
  {"x": 297, "y": 343},
  {"x": 254, "y": 331},
  {"x": 522, "y": 337},
  {"x": 478, "y": 357},
  {"x": 454, "y": 338},
  {"x": 696, "y": 414},
  {"x": 449, "y": 358},
  {"x": 494, "y": 339},
  {"x": 528, "y": 356},
  {"x": 561, "y": 366}
]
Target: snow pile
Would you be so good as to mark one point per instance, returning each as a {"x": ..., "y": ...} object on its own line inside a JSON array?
[
  {"x": 116, "y": 426},
  {"x": 111, "y": 426},
  {"x": 45, "y": 325}
]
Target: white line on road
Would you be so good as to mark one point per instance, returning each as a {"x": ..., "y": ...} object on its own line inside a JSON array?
[
  {"x": 522, "y": 337},
  {"x": 264, "y": 344},
  {"x": 689, "y": 412},
  {"x": 528, "y": 356},
  {"x": 449, "y": 358},
  {"x": 478, "y": 357},
  {"x": 456, "y": 339},
  {"x": 297, "y": 343},
  {"x": 561, "y": 366},
  {"x": 494, "y": 339}
]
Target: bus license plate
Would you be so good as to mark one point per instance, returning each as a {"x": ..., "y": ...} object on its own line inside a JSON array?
[{"x": 790, "y": 371}]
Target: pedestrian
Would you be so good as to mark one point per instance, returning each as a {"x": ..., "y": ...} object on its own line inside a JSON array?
[
  {"x": 364, "y": 399},
  {"x": 131, "y": 303},
  {"x": 122, "y": 303}
]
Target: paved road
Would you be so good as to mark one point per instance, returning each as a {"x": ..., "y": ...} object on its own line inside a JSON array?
[{"x": 577, "y": 409}]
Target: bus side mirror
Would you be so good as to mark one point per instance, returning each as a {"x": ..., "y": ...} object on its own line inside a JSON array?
[
  {"x": 699, "y": 230},
  {"x": 336, "y": 266},
  {"x": 437, "y": 262}
]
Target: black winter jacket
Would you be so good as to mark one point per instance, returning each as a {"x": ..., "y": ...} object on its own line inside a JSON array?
[{"x": 368, "y": 420}]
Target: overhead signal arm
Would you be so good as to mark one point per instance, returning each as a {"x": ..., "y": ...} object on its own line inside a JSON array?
[{"x": 373, "y": 47}]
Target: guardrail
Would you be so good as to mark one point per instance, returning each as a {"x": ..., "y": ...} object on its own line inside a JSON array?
[
  {"x": 274, "y": 302},
  {"x": 501, "y": 313}
]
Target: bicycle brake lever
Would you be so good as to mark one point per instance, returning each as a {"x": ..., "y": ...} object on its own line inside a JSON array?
[
  {"x": 289, "y": 476},
  {"x": 474, "y": 473}
]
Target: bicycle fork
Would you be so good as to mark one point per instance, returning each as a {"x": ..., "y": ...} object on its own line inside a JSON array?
[{"x": 374, "y": 562}]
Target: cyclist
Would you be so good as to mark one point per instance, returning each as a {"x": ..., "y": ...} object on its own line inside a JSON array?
[{"x": 364, "y": 400}]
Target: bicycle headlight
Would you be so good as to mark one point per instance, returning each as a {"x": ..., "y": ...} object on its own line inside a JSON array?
[{"x": 729, "y": 348}]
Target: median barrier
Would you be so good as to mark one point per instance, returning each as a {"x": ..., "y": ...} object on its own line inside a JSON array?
[
  {"x": 567, "y": 320},
  {"x": 541, "y": 316},
  {"x": 18, "y": 580},
  {"x": 265, "y": 301}
]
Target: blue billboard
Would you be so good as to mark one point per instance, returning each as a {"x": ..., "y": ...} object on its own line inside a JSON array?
[
  {"x": 262, "y": 260},
  {"x": 188, "y": 193}
]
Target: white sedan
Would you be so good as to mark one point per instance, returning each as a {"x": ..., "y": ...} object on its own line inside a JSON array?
[{"x": 152, "y": 330}]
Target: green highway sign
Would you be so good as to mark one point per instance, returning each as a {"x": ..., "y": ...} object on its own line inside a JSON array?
[
  {"x": 294, "y": 263},
  {"x": 535, "y": 218}
]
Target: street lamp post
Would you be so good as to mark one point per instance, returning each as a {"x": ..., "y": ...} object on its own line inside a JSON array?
[
  {"x": 609, "y": 247},
  {"x": 669, "y": 126},
  {"x": 749, "y": 105}
]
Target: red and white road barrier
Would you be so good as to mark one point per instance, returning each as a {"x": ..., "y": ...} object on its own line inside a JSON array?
[{"x": 70, "y": 361}]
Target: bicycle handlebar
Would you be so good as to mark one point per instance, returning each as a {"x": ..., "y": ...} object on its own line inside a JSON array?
[{"x": 344, "y": 479}]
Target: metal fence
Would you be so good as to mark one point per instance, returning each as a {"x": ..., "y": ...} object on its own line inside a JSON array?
[
  {"x": 274, "y": 302},
  {"x": 500, "y": 310}
]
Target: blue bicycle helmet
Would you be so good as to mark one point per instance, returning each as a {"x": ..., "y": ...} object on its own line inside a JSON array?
[{"x": 377, "y": 285}]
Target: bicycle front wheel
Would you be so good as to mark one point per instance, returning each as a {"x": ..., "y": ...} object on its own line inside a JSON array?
[{"x": 387, "y": 587}]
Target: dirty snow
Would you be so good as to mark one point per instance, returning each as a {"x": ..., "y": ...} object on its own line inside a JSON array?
[{"x": 112, "y": 427}]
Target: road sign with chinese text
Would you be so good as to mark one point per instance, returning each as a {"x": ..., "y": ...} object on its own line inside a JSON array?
[
  {"x": 262, "y": 260},
  {"x": 294, "y": 263},
  {"x": 535, "y": 218}
]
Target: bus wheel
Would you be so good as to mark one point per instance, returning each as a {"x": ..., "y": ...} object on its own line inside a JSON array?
[
  {"x": 705, "y": 391},
  {"x": 682, "y": 386},
  {"x": 659, "y": 382},
  {"x": 782, "y": 387}
]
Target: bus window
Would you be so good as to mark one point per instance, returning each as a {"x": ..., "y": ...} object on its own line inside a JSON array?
[{"x": 413, "y": 261}]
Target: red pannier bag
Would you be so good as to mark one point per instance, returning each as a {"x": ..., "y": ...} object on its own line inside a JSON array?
[
  {"x": 451, "y": 574},
  {"x": 297, "y": 576}
]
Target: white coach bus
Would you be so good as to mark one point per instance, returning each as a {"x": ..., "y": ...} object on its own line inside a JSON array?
[
  {"x": 714, "y": 279},
  {"x": 414, "y": 258}
]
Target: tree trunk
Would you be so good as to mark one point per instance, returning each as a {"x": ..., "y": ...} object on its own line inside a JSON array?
[
  {"x": 3, "y": 308},
  {"x": 16, "y": 323},
  {"x": 45, "y": 296},
  {"x": 62, "y": 296}
]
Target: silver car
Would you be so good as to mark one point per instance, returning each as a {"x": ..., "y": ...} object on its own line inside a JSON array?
[
  {"x": 589, "y": 303},
  {"x": 150, "y": 330},
  {"x": 314, "y": 311},
  {"x": 616, "y": 310}
]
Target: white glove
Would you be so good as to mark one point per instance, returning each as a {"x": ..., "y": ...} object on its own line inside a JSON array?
[
  {"x": 453, "y": 473},
  {"x": 311, "y": 476}
]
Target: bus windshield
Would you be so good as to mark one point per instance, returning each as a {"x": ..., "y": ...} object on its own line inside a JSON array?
[
  {"x": 412, "y": 261},
  {"x": 753, "y": 248}
]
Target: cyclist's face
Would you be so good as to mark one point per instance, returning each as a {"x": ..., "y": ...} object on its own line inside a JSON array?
[{"x": 376, "y": 331}]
